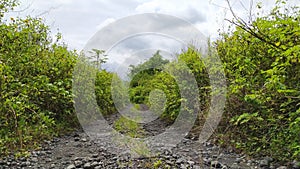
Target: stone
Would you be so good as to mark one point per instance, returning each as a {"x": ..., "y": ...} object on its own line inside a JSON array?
[
  {"x": 216, "y": 164},
  {"x": 78, "y": 163},
  {"x": 84, "y": 140},
  {"x": 76, "y": 139},
  {"x": 238, "y": 160},
  {"x": 224, "y": 167},
  {"x": 25, "y": 163},
  {"x": 197, "y": 167},
  {"x": 72, "y": 166},
  {"x": 269, "y": 159},
  {"x": 282, "y": 167},
  {"x": 77, "y": 158},
  {"x": 94, "y": 164},
  {"x": 34, "y": 159},
  {"x": 52, "y": 166},
  {"x": 235, "y": 166},
  {"x": 179, "y": 161},
  {"x": 87, "y": 166},
  {"x": 48, "y": 160},
  {"x": 94, "y": 155},
  {"x": 264, "y": 163},
  {"x": 182, "y": 166},
  {"x": 191, "y": 162}
]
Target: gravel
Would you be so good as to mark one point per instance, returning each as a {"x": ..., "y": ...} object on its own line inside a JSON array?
[{"x": 77, "y": 150}]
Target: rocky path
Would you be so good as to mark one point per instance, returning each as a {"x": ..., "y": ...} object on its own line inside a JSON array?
[{"x": 78, "y": 150}]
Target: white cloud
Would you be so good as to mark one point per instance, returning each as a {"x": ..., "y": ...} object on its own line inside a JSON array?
[
  {"x": 78, "y": 20},
  {"x": 190, "y": 10},
  {"x": 106, "y": 22}
]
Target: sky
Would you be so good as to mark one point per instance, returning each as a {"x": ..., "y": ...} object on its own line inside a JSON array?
[{"x": 79, "y": 20}]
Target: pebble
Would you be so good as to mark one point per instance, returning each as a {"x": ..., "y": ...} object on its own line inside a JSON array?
[
  {"x": 72, "y": 166},
  {"x": 78, "y": 163},
  {"x": 34, "y": 160},
  {"x": 94, "y": 155},
  {"x": 87, "y": 166},
  {"x": 238, "y": 160},
  {"x": 235, "y": 166},
  {"x": 94, "y": 164},
  {"x": 264, "y": 163},
  {"x": 179, "y": 161},
  {"x": 216, "y": 164}
]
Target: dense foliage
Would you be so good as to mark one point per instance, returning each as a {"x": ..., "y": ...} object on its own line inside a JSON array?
[
  {"x": 172, "y": 79},
  {"x": 35, "y": 83},
  {"x": 262, "y": 65}
]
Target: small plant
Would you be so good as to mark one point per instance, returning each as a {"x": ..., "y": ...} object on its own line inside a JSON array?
[{"x": 157, "y": 164}]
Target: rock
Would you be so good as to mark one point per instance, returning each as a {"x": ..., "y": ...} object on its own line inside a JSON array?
[
  {"x": 182, "y": 166},
  {"x": 207, "y": 161},
  {"x": 22, "y": 159},
  {"x": 197, "y": 167},
  {"x": 269, "y": 159},
  {"x": 191, "y": 163},
  {"x": 282, "y": 167},
  {"x": 78, "y": 163},
  {"x": 59, "y": 157},
  {"x": 72, "y": 166},
  {"x": 235, "y": 166},
  {"x": 94, "y": 155},
  {"x": 47, "y": 142},
  {"x": 48, "y": 160},
  {"x": 76, "y": 139},
  {"x": 216, "y": 164},
  {"x": 52, "y": 166},
  {"x": 83, "y": 140},
  {"x": 94, "y": 164},
  {"x": 214, "y": 156},
  {"x": 238, "y": 160},
  {"x": 169, "y": 161},
  {"x": 264, "y": 163},
  {"x": 13, "y": 163},
  {"x": 179, "y": 161},
  {"x": 87, "y": 166},
  {"x": 34, "y": 159},
  {"x": 77, "y": 158},
  {"x": 25, "y": 163},
  {"x": 75, "y": 135},
  {"x": 224, "y": 167}
]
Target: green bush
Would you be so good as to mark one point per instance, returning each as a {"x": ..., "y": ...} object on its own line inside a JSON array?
[
  {"x": 173, "y": 79},
  {"x": 108, "y": 84},
  {"x": 261, "y": 63},
  {"x": 35, "y": 83}
]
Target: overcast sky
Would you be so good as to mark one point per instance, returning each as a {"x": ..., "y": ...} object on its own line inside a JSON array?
[{"x": 79, "y": 20}]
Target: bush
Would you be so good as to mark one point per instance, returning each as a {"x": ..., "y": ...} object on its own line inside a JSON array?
[
  {"x": 35, "y": 84},
  {"x": 261, "y": 62}
]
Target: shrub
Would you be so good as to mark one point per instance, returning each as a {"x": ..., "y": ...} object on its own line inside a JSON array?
[{"x": 261, "y": 61}]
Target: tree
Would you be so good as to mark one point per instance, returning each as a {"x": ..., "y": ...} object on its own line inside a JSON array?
[{"x": 100, "y": 58}]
